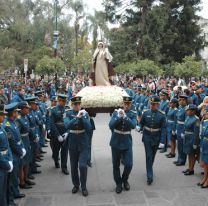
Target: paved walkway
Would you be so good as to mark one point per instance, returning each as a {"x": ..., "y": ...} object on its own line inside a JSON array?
[{"x": 170, "y": 188}]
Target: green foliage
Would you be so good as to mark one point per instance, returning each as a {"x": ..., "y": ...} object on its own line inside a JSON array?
[
  {"x": 189, "y": 67},
  {"x": 140, "y": 68},
  {"x": 49, "y": 66},
  {"x": 83, "y": 60}
]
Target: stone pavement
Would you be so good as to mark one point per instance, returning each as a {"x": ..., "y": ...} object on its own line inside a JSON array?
[{"x": 170, "y": 188}]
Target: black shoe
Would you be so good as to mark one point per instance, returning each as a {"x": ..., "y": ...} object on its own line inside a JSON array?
[
  {"x": 163, "y": 150},
  {"x": 31, "y": 177},
  {"x": 25, "y": 186},
  {"x": 180, "y": 164},
  {"x": 188, "y": 173},
  {"x": 89, "y": 164},
  {"x": 85, "y": 193},
  {"x": 202, "y": 173},
  {"x": 19, "y": 196},
  {"x": 171, "y": 155},
  {"x": 29, "y": 182},
  {"x": 185, "y": 171},
  {"x": 75, "y": 189},
  {"x": 149, "y": 181},
  {"x": 37, "y": 160},
  {"x": 126, "y": 186},
  {"x": 57, "y": 165},
  {"x": 199, "y": 184},
  {"x": 37, "y": 165},
  {"x": 175, "y": 162},
  {"x": 45, "y": 145},
  {"x": 36, "y": 172},
  {"x": 119, "y": 189},
  {"x": 168, "y": 154},
  {"x": 65, "y": 171},
  {"x": 204, "y": 187}
]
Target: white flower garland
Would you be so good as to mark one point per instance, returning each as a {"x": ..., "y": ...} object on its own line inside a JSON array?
[{"x": 102, "y": 96}]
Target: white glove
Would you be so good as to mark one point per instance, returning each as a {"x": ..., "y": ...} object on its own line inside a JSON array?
[
  {"x": 49, "y": 131},
  {"x": 161, "y": 146},
  {"x": 44, "y": 127},
  {"x": 173, "y": 132},
  {"x": 194, "y": 146},
  {"x": 84, "y": 112},
  {"x": 24, "y": 153},
  {"x": 60, "y": 138},
  {"x": 138, "y": 128},
  {"x": 37, "y": 139},
  {"x": 65, "y": 135},
  {"x": 80, "y": 114},
  {"x": 182, "y": 136},
  {"x": 11, "y": 166}
]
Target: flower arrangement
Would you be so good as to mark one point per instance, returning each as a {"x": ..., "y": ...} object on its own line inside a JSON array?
[{"x": 102, "y": 96}]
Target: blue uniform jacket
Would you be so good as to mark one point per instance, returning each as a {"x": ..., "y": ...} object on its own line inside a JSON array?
[
  {"x": 33, "y": 132},
  {"x": 57, "y": 121},
  {"x": 5, "y": 152},
  {"x": 192, "y": 127},
  {"x": 77, "y": 141},
  {"x": 155, "y": 120},
  {"x": 122, "y": 141},
  {"x": 164, "y": 106},
  {"x": 14, "y": 137},
  {"x": 181, "y": 117},
  {"x": 172, "y": 119}
]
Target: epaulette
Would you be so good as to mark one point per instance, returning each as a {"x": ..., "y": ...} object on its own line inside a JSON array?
[
  {"x": 175, "y": 108},
  {"x": 206, "y": 120},
  {"x": 67, "y": 110},
  {"x": 134, "y": 112},
  {"x": 161, "y": 112},
  {"x": 8, "y": 124},
  {"x": 145, "y": 110},
  {"x": 196, "y": 116}
]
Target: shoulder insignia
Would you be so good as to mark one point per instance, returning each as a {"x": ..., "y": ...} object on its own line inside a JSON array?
[
  {"x": 134, "y": 112},
  {"x": 8, "y": 124},
  {"x": 161, "y": 111},
  {"x": 196, "y": 116},
  {"x": 206, "y": 120}
]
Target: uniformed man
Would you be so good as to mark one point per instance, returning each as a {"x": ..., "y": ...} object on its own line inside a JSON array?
[
  {"x": 121, "y": 124},
  {"x": 33, "y": 133},
  {"x": 6, "y": 164},
  {"x": 181, "y": 116},
  {"x": 48, "y": 115},
  {"x": 17, "y": 148},
  {"x": 57, "y": 130},
  {"x": 77, "y": 123},
  {"x": 153, "y": 125},
  {"x": 24, "y": 128}
]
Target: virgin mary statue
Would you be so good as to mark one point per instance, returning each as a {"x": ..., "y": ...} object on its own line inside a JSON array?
[{"x": 102, "y": 71}]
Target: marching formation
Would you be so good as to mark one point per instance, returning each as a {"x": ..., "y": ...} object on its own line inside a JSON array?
[{"x": 170, "y": 117}]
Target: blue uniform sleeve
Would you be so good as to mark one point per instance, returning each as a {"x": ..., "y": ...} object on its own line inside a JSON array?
[
  {"x": 175, "y": 120},
  {"x": 163, "y": 129},
  {"x": 4, "y": 164},
  {"x": 87, "y": 123},
  {"x": 115, "y": 120},
  {"x": 196, "y": 132},
  {"x": 15, "y": 147},
  {"x": 131, "y": 122},
  {"x": 53, "y": 127}
]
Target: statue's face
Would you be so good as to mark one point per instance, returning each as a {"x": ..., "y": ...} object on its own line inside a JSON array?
[{"x": 100, "y": 46}]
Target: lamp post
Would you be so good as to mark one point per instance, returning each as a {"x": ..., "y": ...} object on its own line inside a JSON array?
[{"x": 56, "y": 32}]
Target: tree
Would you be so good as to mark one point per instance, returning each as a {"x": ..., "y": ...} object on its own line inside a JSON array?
[
  {"x": 140, "y": 68},
  {"x": 50, "y": 66},
  {"x": 182, "y": 37},
  {"x": 189, "y": 67}
]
